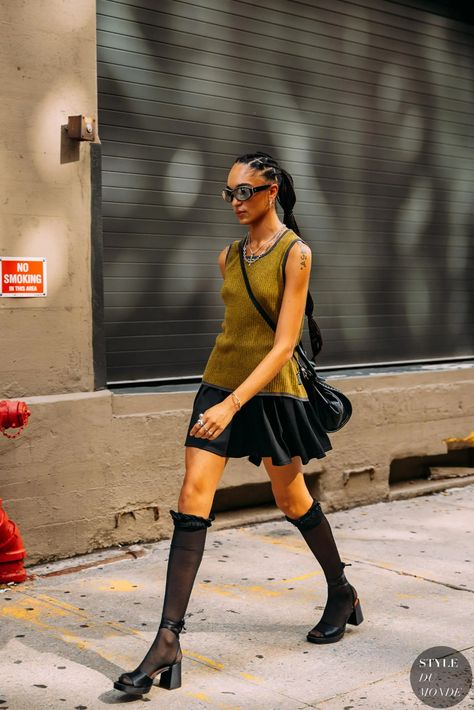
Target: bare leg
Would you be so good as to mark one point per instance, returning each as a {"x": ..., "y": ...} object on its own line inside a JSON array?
[
  {"x": 289, "y": 487},
  {"x": 203, "y": 472}
]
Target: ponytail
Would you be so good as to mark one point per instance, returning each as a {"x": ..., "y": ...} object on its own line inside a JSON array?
[
  {"x": 315, "y": 337},
  {"x": 287, "y": 198},
  {"x": 271, "y": 170}
]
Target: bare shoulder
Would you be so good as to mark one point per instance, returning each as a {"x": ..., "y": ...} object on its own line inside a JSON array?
[{"x": 299, "y": 257}]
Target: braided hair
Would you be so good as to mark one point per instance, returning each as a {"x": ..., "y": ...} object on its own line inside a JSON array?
[{"x": 271, "y": 170}]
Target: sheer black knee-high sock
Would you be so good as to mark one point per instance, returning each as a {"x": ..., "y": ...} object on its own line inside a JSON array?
[
  {"x": 316, "y": 530},
  {"x": 186, "y": 551}
]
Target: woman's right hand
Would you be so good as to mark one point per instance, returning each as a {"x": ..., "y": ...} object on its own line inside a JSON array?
[{"x": 215, "y": 419}]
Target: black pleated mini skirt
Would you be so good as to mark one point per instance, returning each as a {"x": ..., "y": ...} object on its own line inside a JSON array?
[{"x": 267, "y": 425}]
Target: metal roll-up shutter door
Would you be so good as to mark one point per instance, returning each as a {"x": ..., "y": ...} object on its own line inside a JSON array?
[{"x": 369, "y": 105}]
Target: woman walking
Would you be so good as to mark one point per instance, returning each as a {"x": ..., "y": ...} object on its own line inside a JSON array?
[{"x": 251, "y": 403}]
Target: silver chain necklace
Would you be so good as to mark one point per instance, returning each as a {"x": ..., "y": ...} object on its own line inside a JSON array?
[{"x": 253, "y": 256}]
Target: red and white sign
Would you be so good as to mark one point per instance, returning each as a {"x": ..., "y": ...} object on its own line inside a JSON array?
[{"x": 22, "y": 276}]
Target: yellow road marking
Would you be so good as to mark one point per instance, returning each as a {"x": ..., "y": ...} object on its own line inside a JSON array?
[
  {"x": 220, "y": 666},
  {"x": 40, "y": 616},
  {"x": 253, "y": 678},
  {"x": 118, "y": 585},
  {"x": 236, "y": 590},
  {"x": 45, "y": 613},
  {"x": 204, "y": 659},
  {"x": 296, "y": 545},
  {"x": 300, "y": 577},
  {"x": 215, "y": 703},
  {"x": 223, "y": 589},
  {"x": 261, "y": 591}
]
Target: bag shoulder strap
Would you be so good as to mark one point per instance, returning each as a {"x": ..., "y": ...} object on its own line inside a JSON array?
[{"x": 257, "y": 305}]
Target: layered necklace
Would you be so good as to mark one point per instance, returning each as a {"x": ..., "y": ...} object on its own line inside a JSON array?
[{"x": 254, "y": 255}]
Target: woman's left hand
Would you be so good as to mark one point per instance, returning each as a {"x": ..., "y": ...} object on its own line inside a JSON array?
[{"x": 215, "y": 420}]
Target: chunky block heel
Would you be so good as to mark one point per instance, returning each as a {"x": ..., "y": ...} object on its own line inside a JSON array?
[
  {"x": 171, "y": 679},
  {"x": 327, "y": 632},
  {"x": 356, "y": 616},
  {"x": 138, "y": 683}
]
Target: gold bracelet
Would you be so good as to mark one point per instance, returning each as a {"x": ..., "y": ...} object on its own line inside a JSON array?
[{"x": 234, "y": 397}]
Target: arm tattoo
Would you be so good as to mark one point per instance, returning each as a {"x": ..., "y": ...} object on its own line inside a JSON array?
[{"x": 303, "y": 256}]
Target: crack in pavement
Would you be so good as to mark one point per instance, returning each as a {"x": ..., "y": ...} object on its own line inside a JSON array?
[{"x": 416, "y": 576}]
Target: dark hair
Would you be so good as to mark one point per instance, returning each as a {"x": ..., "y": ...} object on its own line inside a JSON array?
[{"x": 271, "y": 170}]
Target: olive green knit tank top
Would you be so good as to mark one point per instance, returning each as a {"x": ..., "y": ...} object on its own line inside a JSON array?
[{"x": 246, "y": 337}]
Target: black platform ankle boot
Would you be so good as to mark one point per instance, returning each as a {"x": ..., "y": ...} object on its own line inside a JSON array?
[
  {"x": 164, "y": 656},
  {"x": 342, "y": 607},
  {"x": 342, "y": 604}
]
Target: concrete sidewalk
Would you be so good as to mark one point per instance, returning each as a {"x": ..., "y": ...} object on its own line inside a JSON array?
[{"x": 65, "y": 638}]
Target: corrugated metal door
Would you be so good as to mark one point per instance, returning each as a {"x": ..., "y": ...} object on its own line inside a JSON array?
[{"x": 369, "y": 105}]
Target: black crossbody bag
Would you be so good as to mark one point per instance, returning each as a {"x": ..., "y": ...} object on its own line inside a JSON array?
[{"x": 332, "y": 407}]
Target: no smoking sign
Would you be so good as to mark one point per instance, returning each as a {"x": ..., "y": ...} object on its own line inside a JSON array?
[{"x": 22, "y": 276}]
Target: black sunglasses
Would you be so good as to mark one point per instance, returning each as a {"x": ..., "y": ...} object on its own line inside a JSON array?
[{"x": 241, "y": 192}]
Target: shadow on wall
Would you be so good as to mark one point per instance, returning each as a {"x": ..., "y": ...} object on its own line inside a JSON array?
[
  {"x": 375, "y": 128},
  {"x": 250, "y": 495}
]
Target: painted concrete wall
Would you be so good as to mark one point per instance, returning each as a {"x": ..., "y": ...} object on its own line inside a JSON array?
[
  {"x": 96, "y": 469},
  {"x": 48, "y": 72}
]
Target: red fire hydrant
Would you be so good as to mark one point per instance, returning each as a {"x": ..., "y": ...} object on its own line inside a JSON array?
[
  {"x": 12, "y": 551},
  {"x": 13, "y": 415}
]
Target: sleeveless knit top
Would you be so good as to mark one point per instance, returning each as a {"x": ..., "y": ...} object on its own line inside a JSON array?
[{"x": 246, "y": 337}]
